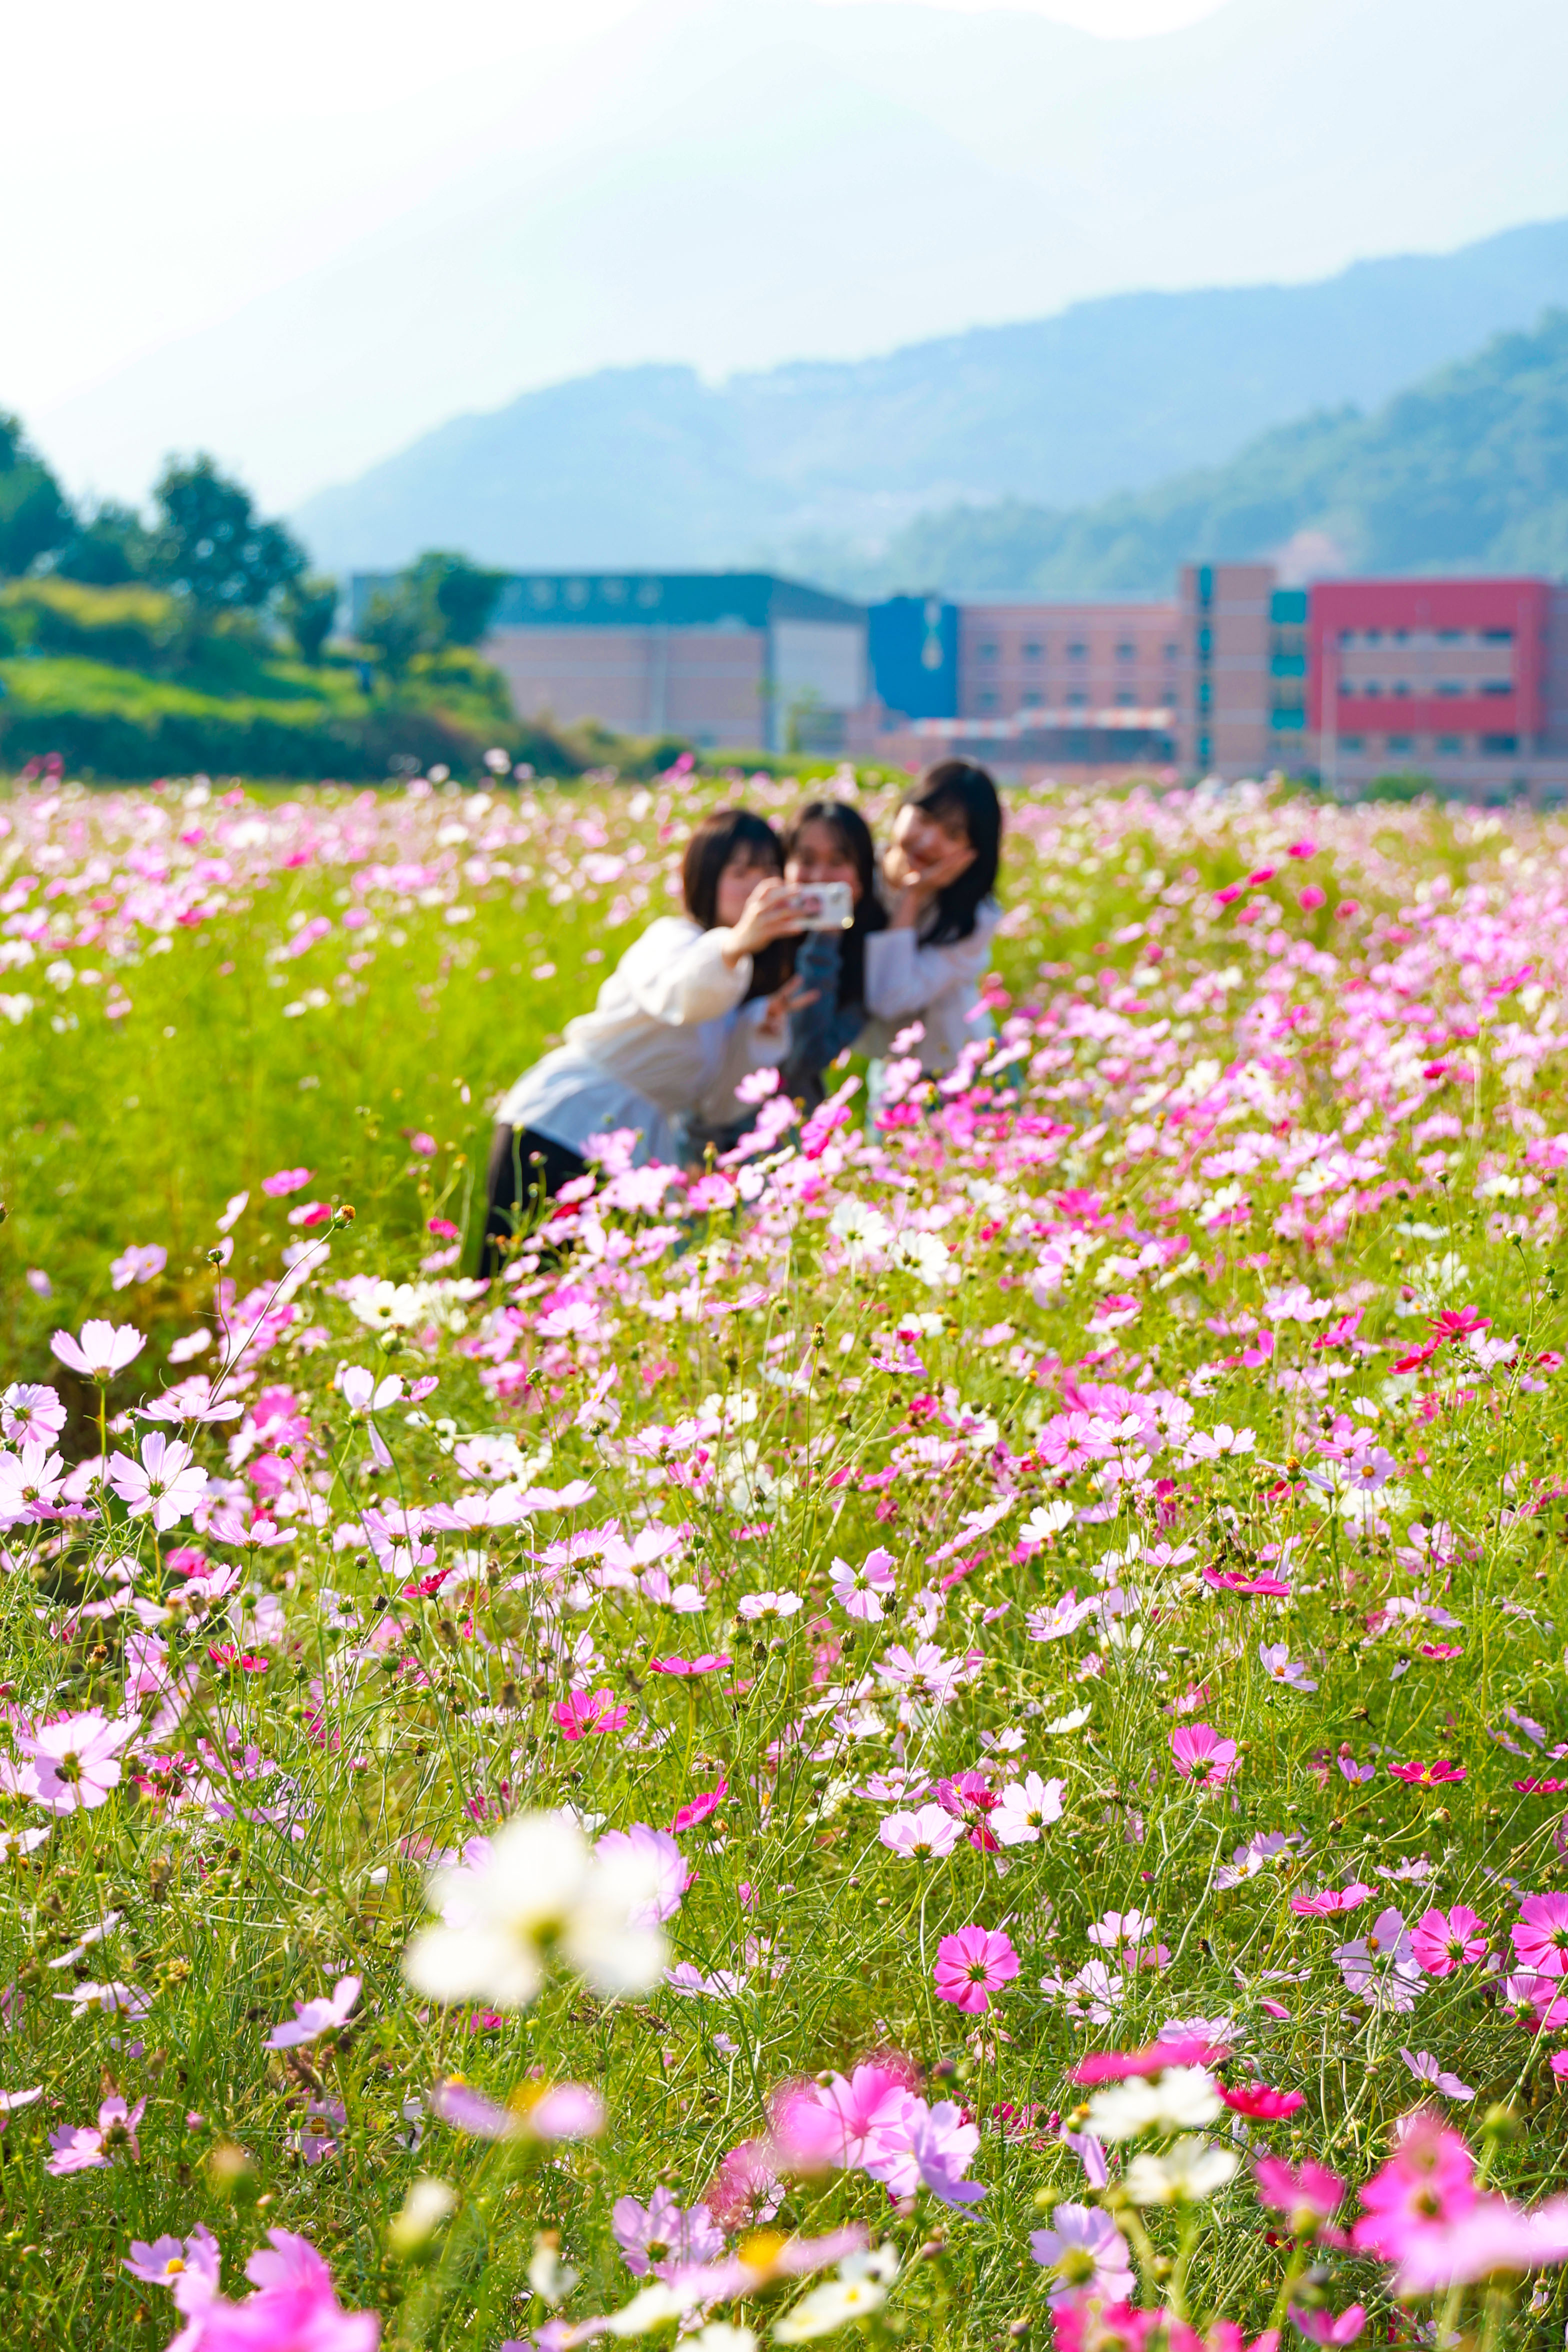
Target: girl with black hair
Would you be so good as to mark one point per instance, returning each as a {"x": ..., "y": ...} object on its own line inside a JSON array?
[
  {"x": 829, "y": 842},
  {"x": 698, "y": 1002},
  {"x": 941, "y": 877}
]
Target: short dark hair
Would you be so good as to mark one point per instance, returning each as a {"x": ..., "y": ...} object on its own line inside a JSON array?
[
  {"x": 855, "y": 839},
  {"x": 964, "y": 788},
  {"x": 713, "y": 843}
]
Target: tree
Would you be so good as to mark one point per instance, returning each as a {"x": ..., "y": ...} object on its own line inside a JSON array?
[
  {"x": 34, "y": 516},
  {"x": 108, "y": 549},
  {"x": 396, "y": 626},
  {"x": 212, "y": 548},
  {"x": 310, "y": 607},
  {"x": 459, "y": 597}
]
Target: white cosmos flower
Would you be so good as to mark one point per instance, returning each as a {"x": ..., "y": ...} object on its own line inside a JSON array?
[
  {"x": 541, "y": 1891},
  {"x": 831, "y": 2305},
  {"x": 1183, "y": 2174},
  {"x": 1183, "y": 2099}
]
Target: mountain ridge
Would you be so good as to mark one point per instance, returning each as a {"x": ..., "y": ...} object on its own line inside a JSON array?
[{"x": 650, "y": 465}]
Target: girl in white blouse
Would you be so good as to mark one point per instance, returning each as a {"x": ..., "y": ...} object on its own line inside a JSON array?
[
  {"x": 698, "y": 1002},
  {"x": 941, "y": 877}
]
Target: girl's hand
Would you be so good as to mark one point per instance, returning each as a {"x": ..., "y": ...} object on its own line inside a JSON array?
[
  {"x": 793, "y": 997},
  {"x": 919, "y": 886},
  {"x": 769, "y": 914}
]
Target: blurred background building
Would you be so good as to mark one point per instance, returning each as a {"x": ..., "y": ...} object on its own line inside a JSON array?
[{"x": 1464, "y": 681}]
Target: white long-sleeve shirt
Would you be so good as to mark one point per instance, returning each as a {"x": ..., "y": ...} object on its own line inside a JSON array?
[
  {"x": 906, "y": 981},
  {"x": 669, "y": 1035}
]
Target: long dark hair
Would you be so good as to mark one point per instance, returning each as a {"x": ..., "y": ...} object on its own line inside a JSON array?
[
  {"x": 964, "y": 788},
  {"x": 713, "y": 844},
  {"x": 854, "y": 837}
]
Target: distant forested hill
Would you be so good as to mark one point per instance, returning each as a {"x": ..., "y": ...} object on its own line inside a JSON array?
[
  {"x": 823, "y": 463},
  {"x": 1466, "y": 472}
]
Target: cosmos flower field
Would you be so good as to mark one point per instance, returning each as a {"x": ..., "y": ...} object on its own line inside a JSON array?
[{"x": 951, "y": 1733}]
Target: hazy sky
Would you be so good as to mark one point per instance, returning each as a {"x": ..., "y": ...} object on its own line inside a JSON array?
[
  {"x": 171, "y": 161},
  {"x": 301, "y": 235}
]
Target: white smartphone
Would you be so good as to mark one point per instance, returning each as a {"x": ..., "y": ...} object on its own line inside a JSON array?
[{"x": 823, "y": 905}]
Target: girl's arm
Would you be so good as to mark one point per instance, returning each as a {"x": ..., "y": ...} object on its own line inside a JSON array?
[
  {"x": 679, "y": 975},
  {"x": 902, "y": 977}
]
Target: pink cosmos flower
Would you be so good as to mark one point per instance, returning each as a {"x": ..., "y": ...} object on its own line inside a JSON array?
[
  {"x": 75, "y": 1762},
  {"x": 582, "y": 1713},
  {"x": 285, "y": 1181},
  {"x": 1326, "y": 2326},
  {"x": 166, "y": 1482},
  {"x": 1311, "y": 2195},
  {"x": 138, "y": 1265},
  {"x": 1541, "y": 1936},
  {"x": 1260, "y": 2103},
  {"x": 88, "y": 2148},
  {"x": 1200, "y": 1754},
  {"x": 690, "y": 1816},
  {"x": 859, "y": 1592},
  {"x": 925, "y": 1834},
  {"x": 294, "y": 2309},
  {"x": 1429, "y": 2179},
  {"x": 559, "y": 2111},
  {"x": 30, "y": 1483},
  {"x": 1330, "y": 1899},
  {"x": 1428, "y": 1776},
  {"x": 1427, "y": 2069},
  {"x": 971, "y": 1966},
  {"x": 166, "y": 2260},
  {"x": 103, "y": 1350},
  {"x": 1025, "y": 1809},
  {"x": 30, "y": 1415},
  {"x": 667, "y": 1867},
  {"x": 710, "y": 1662},
  {"x": 852, "y": 2123},
  {"x": 1129, "y": 2065},
  {"x": 745, "y": 2190},
  {"x": 661, "y": 2236},
  {"x": 313, "y": 2018},
  {"x": 1441, "y": 1940},
  {"x": 1087, "y": 2253}
]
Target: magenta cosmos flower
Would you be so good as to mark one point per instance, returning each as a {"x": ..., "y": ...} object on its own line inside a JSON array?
[
  {"x": 86, "y": 2147},
  {"x": 971, "y": 1966},
  {"x": 1441, "y": 1940},
  {"x": 583, "y": 1712},
  {"x": 1540, "y": 1938},
  {"x": 294, "y": 2309},
  {"x": 103, "y": 1350},
  {"x": 1200, "y": 1754}
]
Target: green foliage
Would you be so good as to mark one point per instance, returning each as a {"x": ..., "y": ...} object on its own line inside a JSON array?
[
  {"x": 309, "y": 608},
  {"x": 211, "y": 546},
  {"x": 1468, "y": 471},
  {"x": 1405, "y": 786},
  {"x": 108, "y": 548},
  {"x": 140, "y": 627},
  {"x": 395, "y": 628},
  {"x": 34, "y": 515},
  {"x": 462, "y": 595}
]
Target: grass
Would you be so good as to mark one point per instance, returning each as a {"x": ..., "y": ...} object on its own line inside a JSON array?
[{"x": 1193, "y": 1151}]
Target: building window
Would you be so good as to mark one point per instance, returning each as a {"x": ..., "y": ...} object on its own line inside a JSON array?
[
  {"x": 1495, "y": 685},
  {"x": 1350, "y": 742},
  {"x": 1126, "y": 653},
  {"x": 1034, "y": 650},
  {"x": 988, "y": 652},
  {"x": 1451, "y": 743},
  {"x": 1204, "y": 693},
  {"x": 1401, "y": 743},
  {"x": 542, "y": 592},
  {"x": 1077, "y": 653},
  {"x": 614, "y": 592},
  {"x": 648, "y": 592},
  {"x": 988, "y": 700},
  {"x": 1172, "y": 653},
  {"x": 1402, "y": 636},
  {"x": 1077, "y": 701},
  {"x": 1400, "y": 687},
  {"x": 1126, "y": 700},
  {"x": 1497, "y": 637},
  {"x": 1449, "y": 687},
  {"x": 1031, "y": 699},
  {"x": 1501, "y": 746},
  {"x": 1205, "y": 643},
  {"x": 1450, "y": 636},
  {"x": 1371, "y": 636}
]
